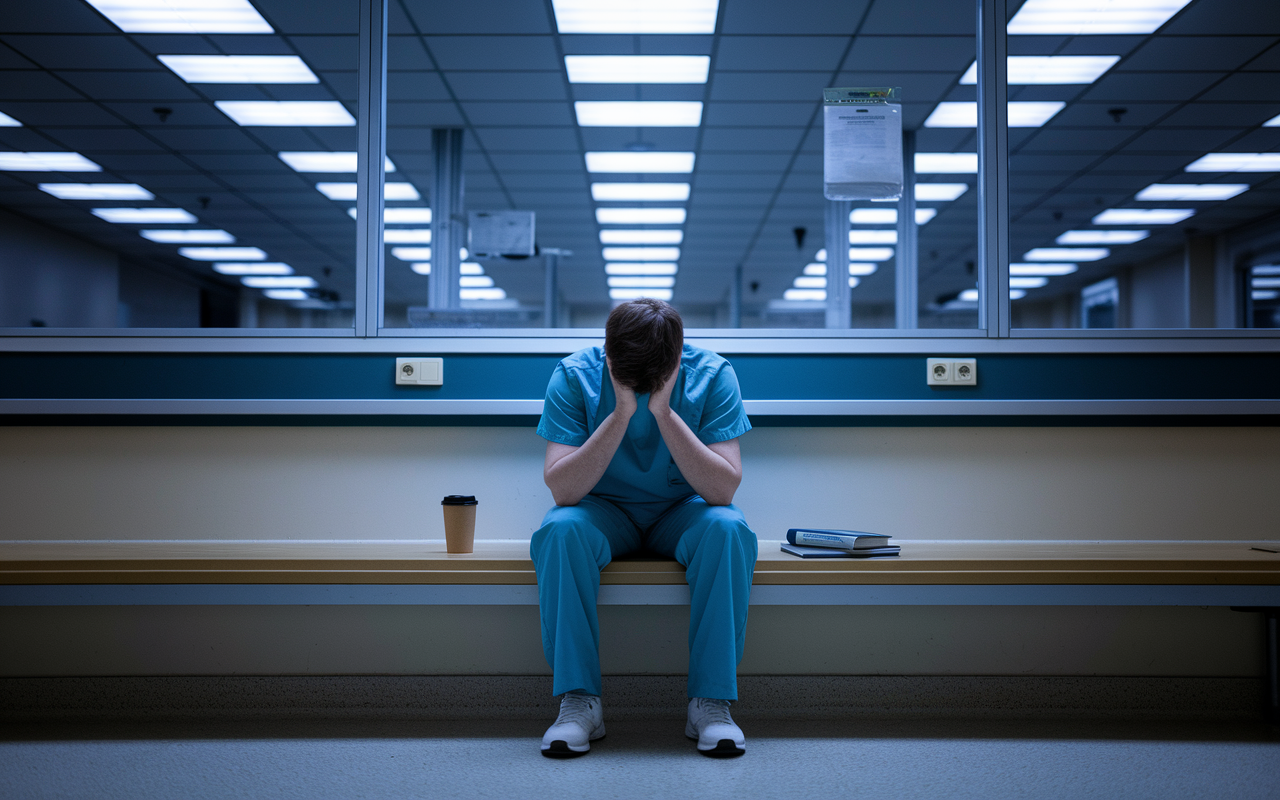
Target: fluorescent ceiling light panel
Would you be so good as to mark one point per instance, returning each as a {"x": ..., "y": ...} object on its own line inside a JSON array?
[
  {"x": 422, "y": 268},
  {"x": 7, "y": 121},
  {"x": 1027, "y": 282},
  {"x": 1050, "y": 270},
  {"x": 640, "y": 281},
  {"x": 1102, "y": 237},
  {"x": 939, "y": 163},
  {"x": 640, "y": 216},
  {"x": 223, "y": 253},
  {"x": 810, "y": 282},
  {"x": 402, "y": 216},
  {"x": 253, "y": 268},
  {"x": 870, "y": 253},
  {"x": 407, "y": 235},
  {"x": 470, "y": 268},
  {"x": 482, "y": 294},
  {"x": 240, "y": 69},
  {"x": 97, "y": 191},
  {"x": 1066, "y": 254},
  {"x": 1027, "y": 70},
  {"x": 187, "y": 236},
  {"x": 279, "y": 282},
  {"x": 638, "y": 113},
  {"x": 347, "y": 191},
  {"x": 640, "y": 236},
  {"x": 642, "y": 268},
  {"x": 325, "y": 162},
  {"x": 640, "y": 192},
  {"x": 412, "y": 253},
  {"x": 1264, "y": 294},
  {"x": 183, "y": 16},
  {"x": 1143, "y": 216},
  {"x": 940, "y": 192},
  {"x": 639, "y": 162},
  {"x": 1265, "y": 283},
  {"x": 1266, "y": 269},
  {"x": 637, "y": 69},
  {"x": 145, "y": 216},
  {"x": 1092, "y": 17},
  {"x": 635, "y": 16},
  {"x": 1191, "y": 191},
  {"x": 287, "y": 113},
  {"x": 636, "y": 294},
  {"x": 813, "y": 295},
  {"x": 1236, "y": 162},
  {"x": 968, "y": 296},
  {"x": 862, "y": 268},
  {"x": 1274, "y": 122},
  {"x": 1021, "y": 114},
  {"x": 641, "y": 253},
  {"x": 46, "y": 162},
  {"x": 887, "y": 216},
  {"x": 475, "y": 281},
  {"x": 286, "y": 294},
  {"x": 873, "y": 237}
]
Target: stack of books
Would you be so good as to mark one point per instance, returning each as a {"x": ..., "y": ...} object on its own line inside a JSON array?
[{"x": 829, "y": 543}]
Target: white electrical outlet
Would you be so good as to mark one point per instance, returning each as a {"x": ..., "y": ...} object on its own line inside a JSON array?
[
  {"x": 419, "y": 371},
  {"x": 952, "y": 372}
]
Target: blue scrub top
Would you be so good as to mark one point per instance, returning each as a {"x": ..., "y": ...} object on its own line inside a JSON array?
[{"x": 642, "y": 477}]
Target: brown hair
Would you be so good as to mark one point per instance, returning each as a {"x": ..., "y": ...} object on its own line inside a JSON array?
[{"x": 643, "y": 339}]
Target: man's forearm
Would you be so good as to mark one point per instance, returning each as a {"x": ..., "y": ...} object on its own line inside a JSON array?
[
  {"x": 711, "y": 475},
  {"x": 571, "y": 476}
]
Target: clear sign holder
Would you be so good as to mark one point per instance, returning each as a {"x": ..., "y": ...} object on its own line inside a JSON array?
[{"x": 862, "y": 143}]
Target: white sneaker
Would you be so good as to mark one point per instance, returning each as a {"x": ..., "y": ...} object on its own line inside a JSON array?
[
  {"x": 717, "y": 734},
  {"x": 581, "y": 722}
]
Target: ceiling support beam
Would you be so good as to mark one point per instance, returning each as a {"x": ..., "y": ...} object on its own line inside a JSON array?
[
  {"x": 371, "y": 144},
  {"x": 447, "y": 230},
  {"x": 993, "y": 168}
]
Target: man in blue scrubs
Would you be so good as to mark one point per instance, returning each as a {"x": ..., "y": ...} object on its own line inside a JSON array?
[{"x": 642, "y": 452}]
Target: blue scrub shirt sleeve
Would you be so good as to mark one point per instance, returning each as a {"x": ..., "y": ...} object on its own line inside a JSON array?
[
  {"x": 564, "y": 413},
  {"x": 723, "y": 417}
]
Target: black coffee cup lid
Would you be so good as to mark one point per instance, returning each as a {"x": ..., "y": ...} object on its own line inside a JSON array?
[{"x": 459, "y": 500}]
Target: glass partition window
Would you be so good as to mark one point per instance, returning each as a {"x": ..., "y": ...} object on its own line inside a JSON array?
[
  {"x": 1143, "y": 166},
  {"x": 671, "y": 155},
  {"x": 170, "y": 165}
]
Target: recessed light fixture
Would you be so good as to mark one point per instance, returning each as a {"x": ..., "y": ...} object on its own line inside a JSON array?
[
  {"x": 421, "y": 267},
  {"x": 637, "y": 293},
  {"x": 407, "y": 236},
  {"x": 887, "y": 216},
  {"x": 183, "y": 16},
  {"x": 639, "y": 162},
  {"x": 861, "y": 236},
  {"x": 187, "y": 236},
  {"x": 635, "y": 16},
  {"x": 46, "y": 162},
  {"x": 641, "y": 268},
  {"x": 286, "y": 294},
  {"x": 1050, "y": 270},
  {"x": 971, "y": 295},
  {"x": 641, "y": 253},
  {"x": 1102, "y": 237},
  {"x": 940, "y": 192},
  {"x": 402, "y": 216},
  {"x": 638, "y": 113},
  {"x": 253, "y": 268},
  {"x": 640, "y": 236},
  {"x": 412, "y": 253},
  {"x": 641, "y": 281},
  {"x": 482, "y": 294},
  {"x": 311, "y": 161},
  {"x": 1143, "y": 216},
  {"x": 1191, "y": 191},
  {"x": 222, "y": 253},
  {"x": 1091, "y": 17},
  {"x": 640, "y": 192},
  {"x": 1264, "y": 294},
  {"x": 1021, "y": 114},
  {"x": 240, "y": 69},
  {"x": 470, "y": 268},
  {"x": 279, "y": 282},
  {"x": 347, "y": 191},
  {"x": 637, "y": 69},
  {"x": 286, "y": 113},
  {"x": 1274, "y": 122},
  {"x": 1066, "y": 254},
  {"x": 1027, "y": 70},
  {"x": 1027, "y": 282},
  {"x": 1236, "y": 162},
  {"x": 640, "y": 216},
  {"x": 7, "y": 121},
  {"x": 1265, "y": 283},
  {"x": 144, "y": 216},
  {"x": 97, "y": 191},
  {"x": 870, "y": 253},
  {"x": 475, "y": 281},
  {"x": 810, "y": 282},
  {"x": 812, "y": 295},
  {"x": 944, "y": 163}
]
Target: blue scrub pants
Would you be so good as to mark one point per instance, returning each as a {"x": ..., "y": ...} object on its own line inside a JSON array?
[{"x": 713, "y": 543}]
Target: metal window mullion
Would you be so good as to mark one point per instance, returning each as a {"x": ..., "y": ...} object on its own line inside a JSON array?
[
  {"x": 993, "y": 168},
  {"x": 371, "y": 144}
]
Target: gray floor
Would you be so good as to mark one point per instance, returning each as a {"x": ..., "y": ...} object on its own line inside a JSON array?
[{"x": 901, "y": 758}]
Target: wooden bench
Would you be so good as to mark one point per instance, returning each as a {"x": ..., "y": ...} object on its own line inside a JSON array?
[{"x": 1243, "y": 575}]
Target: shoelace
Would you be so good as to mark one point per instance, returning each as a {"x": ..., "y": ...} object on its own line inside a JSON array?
[
  {"x": 715, "y": 711},
  {"x": 577, "y": 708}
]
